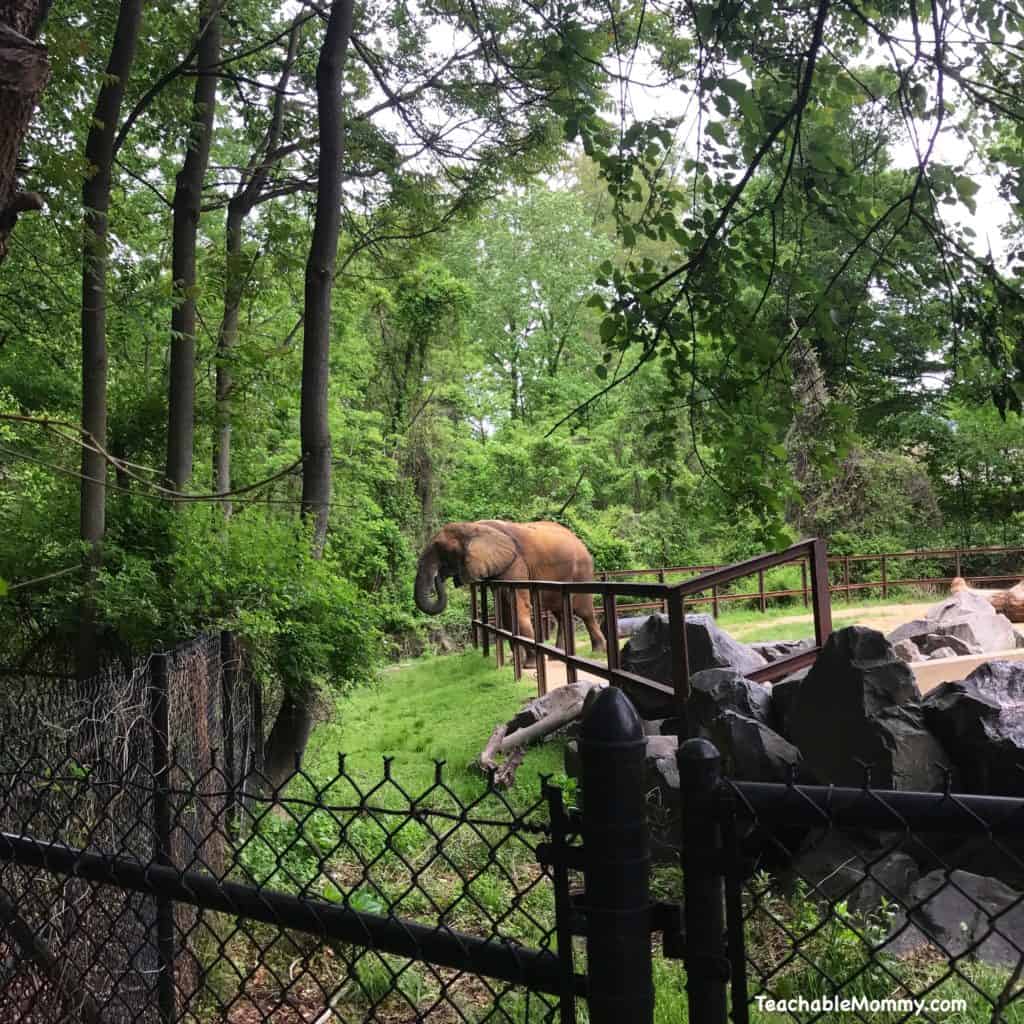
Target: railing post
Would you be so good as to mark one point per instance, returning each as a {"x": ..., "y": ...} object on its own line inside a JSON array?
[
  {"x": 568, "y": 635},
  {"x": 616, "y": 862},
  {"x": 485, "y": 619},
  {"x": 714, "y": 600},
  {"x": 499, "y": 623},
  {"x": 159, "y": 719},
  {"x": 229, "y": 683},
  {"x": 885, "y": 579},
  {"x": 515, "y": 645},
  {"x": 821, "y": 599},
  {"x": 760, "y": 590},
  {"x": 474, "y": 636},
  {"x": 958, "y": 562},
  {"x": 846, "y": 576},
  {"x": 664, "y": 602},
  {"x": 611, "y": 624},
  {"x": 707, "y": 968},
  {"x": 680, "y": 657},
  {"x": 539, "y": 636}
]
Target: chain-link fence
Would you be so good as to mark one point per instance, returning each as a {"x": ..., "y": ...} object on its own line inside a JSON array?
[
  {"x": 872, "y": 904},
  {"x": 57, "y": 728},
  {"x": 344, "y": 900}
]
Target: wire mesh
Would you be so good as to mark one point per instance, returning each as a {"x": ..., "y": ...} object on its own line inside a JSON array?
[
  {"x": 465, "y": 865},
  {"x": 876, "y": 904},
  {"x": 57, "y": 728}
]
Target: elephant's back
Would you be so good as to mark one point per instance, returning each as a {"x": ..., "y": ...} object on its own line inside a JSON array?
[{"x": 559, "y": 553}]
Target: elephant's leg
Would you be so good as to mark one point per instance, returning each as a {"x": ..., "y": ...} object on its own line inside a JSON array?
[
  {"x": 584, "y": 607},
  {"x": 524, "y": 612}
]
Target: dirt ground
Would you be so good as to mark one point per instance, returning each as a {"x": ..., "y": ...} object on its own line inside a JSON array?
[{"x": 884, "y": 618}]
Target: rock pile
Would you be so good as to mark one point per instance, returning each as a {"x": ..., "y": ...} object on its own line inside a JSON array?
[
  {"x": 858, "y": 710},
  {"x": 963, "y": 623}
]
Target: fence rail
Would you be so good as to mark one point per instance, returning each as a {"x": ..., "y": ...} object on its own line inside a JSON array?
[
  {"x": 521, "y": 622},
  {"x": 842, "y": 573}
]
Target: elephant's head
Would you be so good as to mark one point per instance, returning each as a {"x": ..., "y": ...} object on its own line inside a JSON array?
[{"x": 466, "y": 552}]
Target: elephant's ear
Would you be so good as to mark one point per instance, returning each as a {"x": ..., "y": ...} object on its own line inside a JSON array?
[{"x": 488, "y": 553}]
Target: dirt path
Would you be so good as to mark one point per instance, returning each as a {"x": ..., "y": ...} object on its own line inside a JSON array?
[{"x": 884, "y": 618}]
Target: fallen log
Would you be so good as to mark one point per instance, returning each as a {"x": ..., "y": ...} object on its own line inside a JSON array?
[{"x": 538, "y": 718}]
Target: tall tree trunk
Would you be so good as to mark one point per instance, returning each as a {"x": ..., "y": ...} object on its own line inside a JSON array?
[
  {"x": 188, "y": 190},
  {"x": 24, "y": 69},
  {"x": 99, "y": 156},
  {"x": 240, "y": 206},
  {"x": 295, "y": 719}
]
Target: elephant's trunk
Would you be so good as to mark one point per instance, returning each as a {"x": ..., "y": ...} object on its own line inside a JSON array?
[{"x": 429, "y": 580}]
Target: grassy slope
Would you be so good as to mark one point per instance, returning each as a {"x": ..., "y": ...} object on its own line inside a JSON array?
[
  {"x": 445, "y": 708},
  {"x": 437, "y": 708}
]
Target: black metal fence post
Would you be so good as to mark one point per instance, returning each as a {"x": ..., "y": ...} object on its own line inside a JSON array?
[
  {"x": 707, "y": 968},
  {"x": 616, "y": 862},
  {"x": 229, "y": 683},
  {"x": 159, "y": 718}
]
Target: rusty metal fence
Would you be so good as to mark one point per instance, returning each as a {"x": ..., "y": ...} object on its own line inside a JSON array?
[
  {"x": 852, "y": 574},
  {"x": 502, "y": 599}
]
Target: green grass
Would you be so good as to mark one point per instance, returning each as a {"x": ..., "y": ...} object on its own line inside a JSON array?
[
  {"x": 433, "y": 708},
  {"x": 444, "y": 708}
]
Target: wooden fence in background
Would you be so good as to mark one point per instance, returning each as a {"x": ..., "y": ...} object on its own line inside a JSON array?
[{"x": 846, "y": 574}]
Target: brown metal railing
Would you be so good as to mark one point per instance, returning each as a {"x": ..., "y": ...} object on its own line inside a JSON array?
[
  {"x": 840, "y": 577},
  {"x": 673, "y": 597}
]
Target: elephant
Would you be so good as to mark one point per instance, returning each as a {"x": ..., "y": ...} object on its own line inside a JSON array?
[{"x": 493, "y": 549}]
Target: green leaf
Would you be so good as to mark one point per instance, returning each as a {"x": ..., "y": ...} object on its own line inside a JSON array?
[
  {"x": 717, "y": 131},
  {"x": 3, "y": 587}
]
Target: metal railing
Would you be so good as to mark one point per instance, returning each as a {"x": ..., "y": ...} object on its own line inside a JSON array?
[
  {"x": 843, "y": 570},
  {"x": 500, "y": 595}
]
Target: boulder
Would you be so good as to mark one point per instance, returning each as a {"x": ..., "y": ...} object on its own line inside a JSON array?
[
  {"x": 943, "y": 652},
  {"x": 664, "y": 810},
  {"x": 907, "y": 650},
  {"x": 980, "y": 721},
  {"x": 953, "y": 912},
  {"x": 837, "y": 867},
  {"x": 784, "y": 696},
  {"x": 964, "y": 619},
  {"x": 722, "y": 689},
  {"x": 750, "y": 750},
  {"x": 648, "y": 653},
  {"x": 852, "y": 710},
  {"x": 776, "y": 650},
  {"x": 931, "y": 644}
]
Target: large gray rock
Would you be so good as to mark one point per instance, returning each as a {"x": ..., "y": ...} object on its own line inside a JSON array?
[
  {"x": 907, "y": 650},
  {"x": 750, "y": 750},
  {"x": 784, "y": 697},
  {"x": 934, "y": 644},
  {"x": 852, "y": 711},
  {"x": 648, "y": 653},
  {"x": 952, "y": 913},
  {"x": 980, "y": 721},
  {"x": 723, "y": 689},
  {"x": 837, "y": 867},
  {"x": 963, "y": 621},
  {"x": 776, "y": 650}
]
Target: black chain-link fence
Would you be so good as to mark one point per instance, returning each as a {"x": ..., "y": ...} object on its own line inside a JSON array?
[
  {"x": 868, "y": 904},
  {"x": 343, "y": 900},
  {"x": 57, "y": 729}
]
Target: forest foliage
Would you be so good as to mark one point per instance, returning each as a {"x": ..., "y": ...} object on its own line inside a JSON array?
[{"x": 688, "y": 335}]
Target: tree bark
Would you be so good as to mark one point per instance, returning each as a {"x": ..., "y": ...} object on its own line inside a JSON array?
[
  {"x": 188, "y": 189},
  {"x": 240, "y": 206},
  {"x": 99, "y": 155},
  {"x": 24, "y": 70},
  {"x": 294, "y": 722}
]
